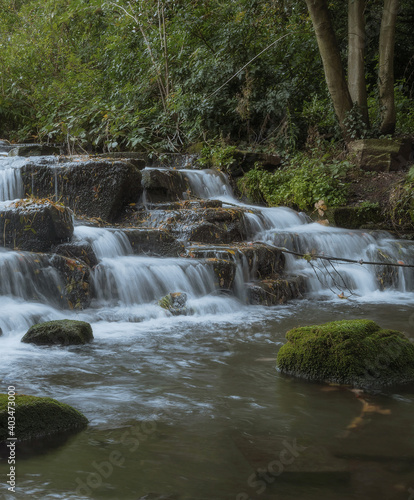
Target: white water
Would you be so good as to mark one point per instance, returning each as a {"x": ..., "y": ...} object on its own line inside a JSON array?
[
  {"x": 205, "y": 381},
  {"x": 283, "y": 227},
  {"x": 11, "y": 185},
  {"x": 127, "y": 287}
]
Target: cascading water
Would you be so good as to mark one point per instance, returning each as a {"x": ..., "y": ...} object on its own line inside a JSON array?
[
  {"x": 123, "y": 280},
  {"x": 11, "y": 185},
  {"x": 179, "y": 398},
  {"x": 283, "y": 227}
]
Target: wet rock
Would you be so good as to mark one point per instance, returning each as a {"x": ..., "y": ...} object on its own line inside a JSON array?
[
  {"x": 75, "y": 275},
  {"x": 271, "y": 292},
  {"x": 381, "y": 155},
  {"x": 34, "y": 150},
  {"x": 164, "y": 185},
  {"x": 139, "y": 160},
  {"x": 37, "y": 417},
  {"x": 94, "y": 188},
  {"x": 356, "y": 352},
  {"x": 154, "y": 242},
  {"x": 355, "y": 217},
  {"x": 261, "y": 260},
  {"x": 210, "y": 225},
  {"x": 185, "y": 204},
  {"x": 5, "y": 146},
  {"x": 59, "y": 332},
  {"x": 224, "y": 272},
  {"x": 77, "y": 250},
  {"x": 34, "y": 225},
  {"x": 175, "y": 303}
]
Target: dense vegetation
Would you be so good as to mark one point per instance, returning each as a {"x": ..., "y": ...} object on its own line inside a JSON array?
[{"x": 150, "y": 75}]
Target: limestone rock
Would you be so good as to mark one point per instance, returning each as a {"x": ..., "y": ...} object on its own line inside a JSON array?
[
  {"x": 164, "y": 185},
  {"x": 154, "y": 242},
  {"x": 75, "y": 276},
  {"x": 34, "y": 150},
  {"x": 77, "y": 250},
  {"x": 276, "y": 291},
  {"x": 93, "y": 188},
  {"x": 34, "y": 225},
  {"x": 224, "y": 272},
  {"x": 381, "y": 155}
]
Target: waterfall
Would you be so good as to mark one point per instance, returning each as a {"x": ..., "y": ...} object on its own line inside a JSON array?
[
  {"x": 208, "y": 184},
  {"x": 123, "y": 280},
  {"x": 140, "y": 280},
  {"x": 283, "y": 227},
  {"x": 106, "y": 243},
  {"x": 11, "y": 185},
  {"x": 29, "y": 276}
]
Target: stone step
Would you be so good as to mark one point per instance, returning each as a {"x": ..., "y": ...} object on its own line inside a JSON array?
[
  {"x": 261, "y": 260},
  {"x": 276, "y": 291}
]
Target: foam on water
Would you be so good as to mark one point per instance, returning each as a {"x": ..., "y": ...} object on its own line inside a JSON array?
[{"x": 283, "y": 227}]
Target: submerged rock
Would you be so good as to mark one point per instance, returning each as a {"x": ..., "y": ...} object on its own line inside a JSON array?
[
  {"x": 36, "y": 417},
  {"x": 356, "y": 352},
  {"x": 175, "y": 303},
  {"x": 34, "y": 225},
  {"x": 62, "y": 332}
]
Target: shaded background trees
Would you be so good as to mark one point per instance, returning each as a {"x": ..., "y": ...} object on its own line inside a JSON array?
[{"x": 144, "y": 75}]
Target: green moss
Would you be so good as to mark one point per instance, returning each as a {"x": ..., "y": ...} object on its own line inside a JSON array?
[
  {"x": 356, "y": 352},
  {"x": 63, "y": 332},
  {"x": 353, "y": 217},
  {"x": 36, "y": 417}
]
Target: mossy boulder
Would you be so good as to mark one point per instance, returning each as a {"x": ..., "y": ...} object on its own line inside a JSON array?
[
  {"x": 356, "y": 352},
  {"x": 37, "y": 417},
  {"x": 62, "y": 332}
]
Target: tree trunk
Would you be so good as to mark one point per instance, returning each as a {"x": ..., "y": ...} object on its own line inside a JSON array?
[
  {"x": 386, "y": 66},
  {"x": 356, "y": 55},
  {"x": 331, "y": 59}
]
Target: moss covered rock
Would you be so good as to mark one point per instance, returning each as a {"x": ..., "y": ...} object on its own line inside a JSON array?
[
  {"x": 62, "y": 332},
  {"x": 367, "y": 215},
  {"x": 356, "y": 352},
  {"x": 36, "y": 417}
]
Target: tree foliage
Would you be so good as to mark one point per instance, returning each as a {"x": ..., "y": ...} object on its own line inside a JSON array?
[{"x": 145, "y": 74}]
